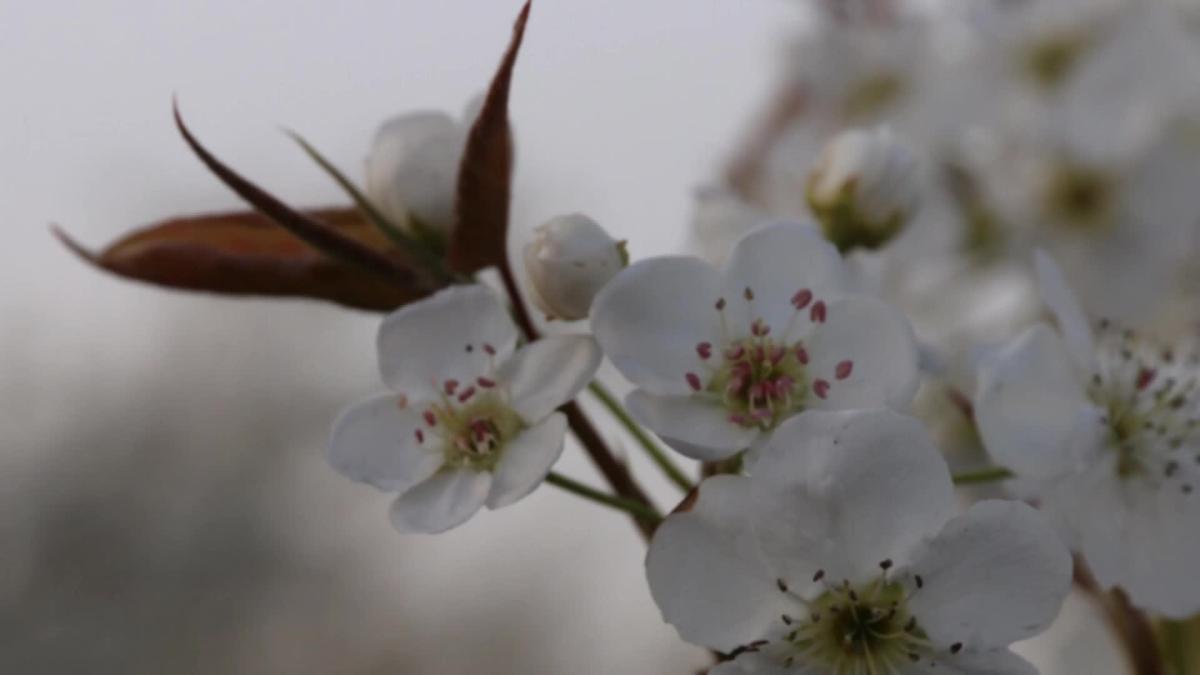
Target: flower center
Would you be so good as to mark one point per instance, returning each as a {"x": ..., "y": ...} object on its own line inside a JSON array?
[
  {"x": 759, "y": 379},
  {"x": 472, "y": 422},
  {"x": 1080, "y": 197},
  {"x": 850, "y": 629},
  {"x": 1049, "y": 61},
  {"x": 1150, "y": 396}
]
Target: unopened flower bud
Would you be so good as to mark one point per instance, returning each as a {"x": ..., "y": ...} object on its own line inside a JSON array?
[
  {"x": 569, "y": 260},
  {"x": 413, "y": 170},
  {"x": 864, "y": 188}
]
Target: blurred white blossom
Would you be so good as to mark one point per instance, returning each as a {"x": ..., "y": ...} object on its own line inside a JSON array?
[
  {"x": 865, "y": 188},
  {"x": 412, "y": 171},
  {"x": 1101, "y": 425}
]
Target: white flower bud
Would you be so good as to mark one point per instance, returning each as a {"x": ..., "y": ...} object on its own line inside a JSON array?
[
  {"x": 569, "y": 260},
  {"x": 864, "y": 188},
  {"x": 413, "y": 170}
]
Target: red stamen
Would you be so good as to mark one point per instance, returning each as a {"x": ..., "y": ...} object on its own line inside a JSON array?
[
  {"x": 490, "y": 350},
  {"x": 485, "y": 382},
  {"x": 693, "y": 381},
  {"x": 801, "y": 355},
  {"x": 704, "y": 349},
  {"x": 430, "y": 418},
  {"x": 466, "y": 394},
  {"x": 449, "y": 386},
  {"x": 420, "y": 435}
]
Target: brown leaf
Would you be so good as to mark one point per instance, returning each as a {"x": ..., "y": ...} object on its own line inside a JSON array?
[
  {"x": 322, "y": 237},
  {"x": 245, "y": 253},
  {"x": 485, "y": 175}
]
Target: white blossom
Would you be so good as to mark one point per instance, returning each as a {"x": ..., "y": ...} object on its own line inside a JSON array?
[
  {"x": 1101, "y": 426},
  {"x": 569, "y": 260},
  {"x": 864, "y": 188},
  {"x": 842, "y": 554},
  {"x": 723, "y": 356},
  {"x": 412, "y": 171},
  {"x": 469, "y": 419}
]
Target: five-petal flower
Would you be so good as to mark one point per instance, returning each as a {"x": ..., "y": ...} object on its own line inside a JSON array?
[
  {"x": 722, "y": 357},
  {"x": 1102, "y": 426},
  {"x": 470, "y": 420},
  {"x": 842, "y": 554}
]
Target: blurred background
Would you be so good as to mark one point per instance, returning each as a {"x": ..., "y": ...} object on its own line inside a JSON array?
[{"x": 165, "y": 506}]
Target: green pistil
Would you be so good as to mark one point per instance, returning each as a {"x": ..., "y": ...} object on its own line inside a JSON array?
[
  {"x": 474, "y": 435},
  {"x": 855, "y": 629},
  {"x": 1051, "y": 60},
  {"x": 1080, "y": 197}
]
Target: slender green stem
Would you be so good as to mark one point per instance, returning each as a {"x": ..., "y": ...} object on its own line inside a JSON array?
[
  {"x": 990, "y": 474},
  {"x": 656, "y": 453},
  {"x": 637, "y": 509},
  {"x": 1175, "y": 647}
]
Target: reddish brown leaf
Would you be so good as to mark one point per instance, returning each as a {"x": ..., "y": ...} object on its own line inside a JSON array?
[
  {"x": 329, "y": 240},
  {"x": 245, "y": 253},
  {"x": 485, "y": 175}
]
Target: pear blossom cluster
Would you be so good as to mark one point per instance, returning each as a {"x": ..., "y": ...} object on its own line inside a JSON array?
[{"x": 963, "y": 252}]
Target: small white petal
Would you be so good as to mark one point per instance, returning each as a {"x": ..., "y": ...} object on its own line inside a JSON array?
[
  {"x": 993, "y": 576},
  {"x": 547, "y": 373},
  {"x": 706, "y": 573},
  {"x": 1062, "y": 301},
  {"x": 882, "y": 482},
  {"x": 442, "y": 337},
  {"x": 526, "y": 461},
  {"x": 776, "y": 261},
  {"x": 374, "y": 441},
  {"x": 1029, "y": 404},
  {"x": 692, "y": 425},
  {"x": 878, "y": 342},
  {"x": 649, "y": 319},
  {"x": 753, "y": 663},
  {"x": 445, "y": 501}
]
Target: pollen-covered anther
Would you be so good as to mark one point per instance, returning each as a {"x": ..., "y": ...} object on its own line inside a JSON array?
[
  {"x": 694, "y": 382},
  {"x": 801, "y": 299},
  {"x": 704, "y": 350}
]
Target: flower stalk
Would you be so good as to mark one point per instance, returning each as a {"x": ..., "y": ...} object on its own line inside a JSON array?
[
  {"x": 638, "y": 510},
  {"x": 614, "y": 471},
  {"x": 653, "y": 450}
]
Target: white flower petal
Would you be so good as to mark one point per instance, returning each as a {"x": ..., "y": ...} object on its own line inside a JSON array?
[
  {"x": 878, "y": 343},
  {"x": 374, "y": 441},
  {"x": 692, "y": 425},
  {"x": 547, "y": 373},
  {"x": 881, "y": 480},
  {"x": 446, "y": 500},
  {"x": 706, "y": 573},
  {"x": 442, "y": 337},
  {"x": 1062, "y": 301},
  {"x": 1029, "y": 404},
  {"x": 779, "y": 259},
  {"x": 526, "y": 461},
  {"x": 991, "y": 662},
  {"x": 993, "y": 576},
  {"x": 649, "y": 319},
  {"x": 754, "y": 663},
  {"x": 413, "y": 168},
  {"x": 1138, "y": 537}
]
